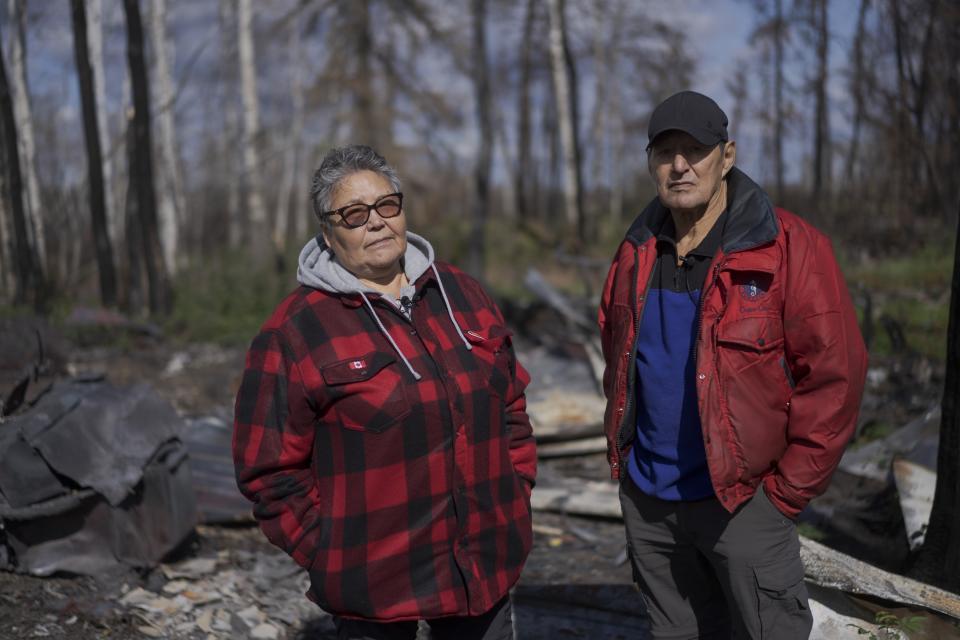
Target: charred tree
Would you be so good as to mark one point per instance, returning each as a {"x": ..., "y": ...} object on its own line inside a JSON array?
[
  {"x": 98, "y": 214},
  {"x": 367, "y": 128},
  {"x": 141, "y": 168},
  {"x": 857, "y": 90},
  {"x": 778, "y": 106},
  {"x": 938, "y": 560},
  {"x": 481, "y": 172},
  {"x": 230, "y": 136},
  {"x": 25, "y": 139},
  {"x": 821, "y": 144},
  {"x": 291, "y": 218},
  {"x": 772, "y": 31},
  {"x": 564, "y": 86},
  {"x": 525, "y": 167},
  {"x": 95, "y": 40},
  {"x": 171, "y": 205},
  {"x": 134, "y": 299},
  {"x": 29, "y": 277},
  {"x": 259, "y": 236}
]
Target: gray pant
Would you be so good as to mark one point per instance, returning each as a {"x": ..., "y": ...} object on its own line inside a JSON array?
[
  {"x": 705, "y": 573},
  {"x": 496, "y": 624}
]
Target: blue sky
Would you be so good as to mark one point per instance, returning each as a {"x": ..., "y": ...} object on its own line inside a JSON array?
[
  {"x": 718, "y": 37},
  {"x": 720, "y": 33}
]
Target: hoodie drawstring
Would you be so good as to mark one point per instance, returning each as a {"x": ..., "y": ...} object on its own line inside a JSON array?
[
  {"x": 446, "y": 302},
  {"x": 383, "y": 330}
]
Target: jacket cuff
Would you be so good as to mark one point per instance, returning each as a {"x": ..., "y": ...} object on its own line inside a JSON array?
[{"x": 785, "y": 500}]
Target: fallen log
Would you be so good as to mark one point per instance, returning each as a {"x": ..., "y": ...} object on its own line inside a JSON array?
[
  {"x": 823, "y": 565},
  {"x": 829, "y": 568},
  {"x": 579, "y": 497},
  {"x": 579, "y": 447},
  {"x": 565, "y": 414}
]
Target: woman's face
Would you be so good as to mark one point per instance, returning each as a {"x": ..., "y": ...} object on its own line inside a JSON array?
[{"x": 371, "y": 251}]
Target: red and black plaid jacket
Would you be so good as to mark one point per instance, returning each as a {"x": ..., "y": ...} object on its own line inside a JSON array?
[{"x": 403, "y": 499}]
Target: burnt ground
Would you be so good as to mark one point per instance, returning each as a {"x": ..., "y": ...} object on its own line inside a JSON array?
[
  {"x": 574, "y": 560},
  {"x": 576, "y": 584}
]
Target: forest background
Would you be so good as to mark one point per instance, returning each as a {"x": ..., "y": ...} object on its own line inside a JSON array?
[
  {"x": 156, "y": 155},
  {"x": 165, "y": 148}
]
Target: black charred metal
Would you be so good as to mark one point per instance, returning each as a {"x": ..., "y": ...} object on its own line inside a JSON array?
[{"x": 93, "y": 476}]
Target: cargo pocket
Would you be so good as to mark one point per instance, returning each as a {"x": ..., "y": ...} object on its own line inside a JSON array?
[{"x": 782, "y": 601}]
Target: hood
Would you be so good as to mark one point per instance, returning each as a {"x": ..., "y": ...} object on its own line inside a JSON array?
[{"x": 318, "y": 266}]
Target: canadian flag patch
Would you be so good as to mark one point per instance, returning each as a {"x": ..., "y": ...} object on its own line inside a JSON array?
[{"x": 358, "y": 364}]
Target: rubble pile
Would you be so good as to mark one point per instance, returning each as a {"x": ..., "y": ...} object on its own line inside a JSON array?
[{"x": 234, "y": 593}]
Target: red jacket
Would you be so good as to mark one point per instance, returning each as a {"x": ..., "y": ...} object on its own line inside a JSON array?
[
  {"x": 402, "y": 498},
  {"x": 780, "y": 362}
]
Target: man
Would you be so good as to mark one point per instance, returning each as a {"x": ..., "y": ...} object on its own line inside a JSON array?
[{"x": 734, "y": 369}]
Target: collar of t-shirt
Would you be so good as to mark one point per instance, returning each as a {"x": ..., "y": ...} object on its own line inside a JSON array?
[{"x": 691, "y": 273}]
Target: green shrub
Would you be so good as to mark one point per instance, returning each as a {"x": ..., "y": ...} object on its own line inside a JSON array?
[{"x": 224, "y": 299}]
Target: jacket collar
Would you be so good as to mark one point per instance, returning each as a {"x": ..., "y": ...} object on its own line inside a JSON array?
[{"x": 751, "y": 221}]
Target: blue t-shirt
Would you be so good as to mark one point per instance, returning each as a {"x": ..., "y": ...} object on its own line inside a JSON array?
[{"x": 668, "y": 459}]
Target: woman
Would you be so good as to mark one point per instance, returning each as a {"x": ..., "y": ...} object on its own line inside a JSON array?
[{"x": 381, "y": 428}]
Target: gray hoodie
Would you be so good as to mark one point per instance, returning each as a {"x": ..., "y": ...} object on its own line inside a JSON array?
[{"x": 318, "y": 268}]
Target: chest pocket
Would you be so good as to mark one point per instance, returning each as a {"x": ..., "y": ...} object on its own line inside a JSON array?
[
  {"x": 367, "y": 392},
  {"x": 493, "y": 348},
  {"x": 749, "y": 343}
]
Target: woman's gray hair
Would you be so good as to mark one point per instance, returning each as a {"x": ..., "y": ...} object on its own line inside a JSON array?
[{"x": 338, "y": 164}]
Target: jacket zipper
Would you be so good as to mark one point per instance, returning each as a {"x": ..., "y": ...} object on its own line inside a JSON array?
[
  {"x": 721, "y": 263},
  {"x": 631, "y": 365}
]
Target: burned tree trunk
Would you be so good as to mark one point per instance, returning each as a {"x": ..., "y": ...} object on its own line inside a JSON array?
[
  {"x": 114, "y": 217},
  {"x": 938, "y": 561},
  {"x": 134, "y": 274},
  {"x": 141, "y": 169},
  {"x": 172, "y": 208},
  {"x": 291, "y": 218},
  {"x": 481, "y": 174},
  {"x": 230, "y": 136},
  {"x": 857, "y": 83},
  {"x": 29, "y": 277},
  {"x": 259, "y": 234},
  {"x": 524, "y": 173},
  {"x": 98, "y": 212},
  {"x": 564, "y": 88},
  {"x": 778, "y": 108},
  {"x": 367, "y": 127},
  {"x": 821, "y": 146},
  {"x": 25, "y": 137}
]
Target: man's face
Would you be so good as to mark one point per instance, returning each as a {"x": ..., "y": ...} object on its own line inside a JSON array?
[{"x": 687, "y": 173}]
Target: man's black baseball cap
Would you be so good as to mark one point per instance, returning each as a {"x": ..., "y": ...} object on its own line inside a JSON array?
[{"x": 691, "y": 112}]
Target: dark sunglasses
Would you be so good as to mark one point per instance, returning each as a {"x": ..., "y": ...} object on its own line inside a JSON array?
[{"x": 356, "y": 215}]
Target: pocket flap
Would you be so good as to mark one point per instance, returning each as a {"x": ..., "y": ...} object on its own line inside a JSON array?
[
  {"x": 780, "y": 577},
  {"x": 759, "y": 333},
  {"x": 357, "y": 368},
  {"x": 495, "y": 332}
]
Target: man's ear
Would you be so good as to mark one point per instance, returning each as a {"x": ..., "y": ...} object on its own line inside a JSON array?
[{"x": 729, "y": 156}]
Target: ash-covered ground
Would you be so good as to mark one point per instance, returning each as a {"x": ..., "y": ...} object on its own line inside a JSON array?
[{"x": 228, "y": 581}]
